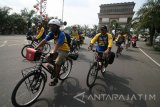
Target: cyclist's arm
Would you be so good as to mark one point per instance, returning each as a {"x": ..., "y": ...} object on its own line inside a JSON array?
[
  {"x": 59, "y": 43},
  {"x": 47, "y": 38},
  {"x": 94, "y": 39},
  {"x": 40, "y": 33},
  {"x": 117, "y": 39},
  {"x": 41, "y": 44},
  {"x": 110, "y": 42}
]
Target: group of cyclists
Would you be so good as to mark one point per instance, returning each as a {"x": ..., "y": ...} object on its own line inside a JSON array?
[
  {"x": 58, "y": 61},
  {"x": 61, "y": 45},
  {"x": 104, "y": 42}
]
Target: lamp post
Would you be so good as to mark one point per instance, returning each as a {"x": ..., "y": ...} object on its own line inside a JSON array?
[{"x": 62, "y": 10}]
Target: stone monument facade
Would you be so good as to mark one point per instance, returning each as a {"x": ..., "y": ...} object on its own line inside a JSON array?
[{"x": 120, "y": 12}]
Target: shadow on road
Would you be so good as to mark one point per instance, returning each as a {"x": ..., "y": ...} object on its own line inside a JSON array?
[
  {"x": 43, "y": 101},
  {"x": 84, "y": 58},
  {"x": 66, "y": 92},
  {"x": 117, "y": 85},
  {"x": 64, "y": 95}
]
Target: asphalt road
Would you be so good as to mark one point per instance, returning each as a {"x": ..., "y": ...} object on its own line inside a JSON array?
[{"x": 131, "y": 81}]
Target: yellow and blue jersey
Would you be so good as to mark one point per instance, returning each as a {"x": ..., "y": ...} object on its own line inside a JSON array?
[
  {"x": 41, "y": 34},
  {"x": 103, "y": 41},
  {"x": 59, "y": 39},
  {"x": 75, "y": 35},
  {"x": 120, "y": 38}
]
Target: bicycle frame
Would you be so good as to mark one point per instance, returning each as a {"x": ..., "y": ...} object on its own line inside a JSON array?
[
  {"x": 99, "y": 59},
  {"x": 41, "y": 65}
]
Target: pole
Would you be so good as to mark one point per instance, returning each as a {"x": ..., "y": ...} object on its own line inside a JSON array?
[
  {"x": 41, "y": 10},
  {"x": 62, "y": 9}
]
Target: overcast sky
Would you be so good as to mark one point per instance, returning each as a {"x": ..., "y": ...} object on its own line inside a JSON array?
[{"x": 75, "y": 11}]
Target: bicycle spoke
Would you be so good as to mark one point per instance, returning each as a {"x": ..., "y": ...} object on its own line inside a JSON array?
[
  {"x": 28, "y": 89},
  {"x": 92, "y": 75},
  {"x": 65, "y": 70}
]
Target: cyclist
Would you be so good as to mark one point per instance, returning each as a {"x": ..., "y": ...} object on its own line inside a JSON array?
[
  {"x": 75, "y": 35},
  {"x": 119, "y": 40},
  {"x": 60, "y": 46},
  {"x": 41, "y": 34},
  {"x": 104, "y": 42},
  {"x": 126, "y": 40},
  {"x": 30, "y": 32}
]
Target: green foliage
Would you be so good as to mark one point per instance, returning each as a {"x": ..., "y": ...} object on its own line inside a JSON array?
[
  {"x": 148, "y": 17},
  {"x": 15, "y": 23},
  {"x": 19, "y": 23}
]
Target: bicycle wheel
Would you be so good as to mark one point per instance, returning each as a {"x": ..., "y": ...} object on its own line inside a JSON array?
[
  {"x": 65, "y": 69},
  {"x": 28, "y": 89},
  {"x": 46, "y": 48},
  {"x": 74, "y": 49},
  {"x": 23, "y": 51},
  {"x": 92, "y": 75}
]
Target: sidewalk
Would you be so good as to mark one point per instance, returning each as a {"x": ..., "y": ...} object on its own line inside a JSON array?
[{"x": 149, "y": 50}]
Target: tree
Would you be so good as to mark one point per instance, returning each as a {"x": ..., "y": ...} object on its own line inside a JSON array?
[
  {"x": 95, "y": 28},
  {"x": 148, "y": 17},
  {"x": 27, "y": 15},
  {"x": 85, "y": 29},
  {"x": 4, "y": 16},
  {"x": 114, "y": 25},
  {"x": 18, "y": 23}
]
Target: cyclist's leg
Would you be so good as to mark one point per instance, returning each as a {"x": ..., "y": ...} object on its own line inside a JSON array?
[
  {"x": 59, "y": 60},
  {"x": 118, "y": 47},
  {"x": 126, "y": 43},
  {"x": 121, "y": 46},
  {"x": 78, "y": 43}
]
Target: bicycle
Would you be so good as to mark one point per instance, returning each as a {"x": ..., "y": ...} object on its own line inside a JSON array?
[
  {"x": 45, "y": 49},
  {"x": 74, "y": 46},
  {"x": 99, "y": 64},
  {"x": 34, "y": 80},
  {"x": 119, "y": 49}
]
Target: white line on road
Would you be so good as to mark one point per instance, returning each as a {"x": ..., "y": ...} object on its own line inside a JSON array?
[
  {"x": 4, "y": 43},
  {"x": 13, "y": 44},
  {"x": 149, "y": 57},
  {"x": 25, "y": 41}
]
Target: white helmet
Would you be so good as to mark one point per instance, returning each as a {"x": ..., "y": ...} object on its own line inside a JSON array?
[{"x": 55, "y": 22}]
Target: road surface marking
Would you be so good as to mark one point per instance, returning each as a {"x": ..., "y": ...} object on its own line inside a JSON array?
[
  {"x": 13, "y": 44},
  {"x": 26, "y": 41},
  {"x": 4, "y": 43},
  {"x": 149, "y": 57}
]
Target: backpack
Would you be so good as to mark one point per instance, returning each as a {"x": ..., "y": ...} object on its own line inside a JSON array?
[
  {"x": 68, "y": 37},
  {"x": 111, "y": 57}
]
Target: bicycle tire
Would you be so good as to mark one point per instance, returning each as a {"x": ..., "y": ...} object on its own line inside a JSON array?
[
  {"x": 75, "y": 49},
  {"x": 24, "y": 49},
  {"x": 63, "y": 68},
  {"x": 89, "y": 73},
  {"x": 23, "y": 80}
]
